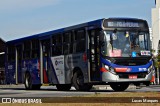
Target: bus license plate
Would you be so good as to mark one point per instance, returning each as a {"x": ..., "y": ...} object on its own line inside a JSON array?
[{"x": 132, "y": 76}]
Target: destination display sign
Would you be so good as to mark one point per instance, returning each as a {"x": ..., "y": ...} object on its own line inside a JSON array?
[{"x": 124, "y": 24}]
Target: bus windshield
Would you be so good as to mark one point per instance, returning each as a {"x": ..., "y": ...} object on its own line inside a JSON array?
[{"x": 123, "y": 43}]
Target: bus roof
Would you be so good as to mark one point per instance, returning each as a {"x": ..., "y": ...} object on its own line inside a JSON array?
[{"x": 94, "y": 24}]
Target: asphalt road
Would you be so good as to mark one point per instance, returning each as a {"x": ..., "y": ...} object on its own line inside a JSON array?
[{"x": 51, "y": 91}]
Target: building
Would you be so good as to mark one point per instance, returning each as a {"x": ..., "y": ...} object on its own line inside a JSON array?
[
  {"x": 151, "y": 37},
  {"x": 156, "y": 34},
  {"x": 2, "y": 61},
  {"x": 156, "y": 26}
]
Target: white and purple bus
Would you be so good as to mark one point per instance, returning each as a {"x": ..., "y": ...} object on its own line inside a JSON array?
[{"x": 114, "y": 51}]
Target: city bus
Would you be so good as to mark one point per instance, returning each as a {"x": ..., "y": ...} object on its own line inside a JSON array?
[{"x": 112, "y": 51}]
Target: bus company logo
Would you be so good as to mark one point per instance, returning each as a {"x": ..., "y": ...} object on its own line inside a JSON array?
[
  {"x": 6, "y": 100},
  {"x": 128, "y": 70},
  {"x": 58, "y": 62}
]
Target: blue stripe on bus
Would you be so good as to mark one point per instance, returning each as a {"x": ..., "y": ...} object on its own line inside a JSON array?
[
  {"x": 53, "y": 70},
  {"x": 134, "y": 69},
  {"x": 38, "y": 36}
]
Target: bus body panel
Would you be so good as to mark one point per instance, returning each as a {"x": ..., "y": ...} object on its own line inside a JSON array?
[
  {"x": 72, "y": 62},
  {"x": 59, "y": 70},
  {"x": 32, "y": 66},
  {"x": 52, "y": 75},
  {"x": 10, "y": 73},
  {"x": 109, "y": 77}
]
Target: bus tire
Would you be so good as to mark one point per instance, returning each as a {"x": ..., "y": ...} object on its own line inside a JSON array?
[
  {"x": 28, "y": 81},
  {"x": 63, "y": 87},
  {"x": 119, "y": 86},
  {"x": 78, "y": 82}
]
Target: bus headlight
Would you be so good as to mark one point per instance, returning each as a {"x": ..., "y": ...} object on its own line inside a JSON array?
[
  {"x": 106, "y": 67},
  {"x": 110, "y": 69}
]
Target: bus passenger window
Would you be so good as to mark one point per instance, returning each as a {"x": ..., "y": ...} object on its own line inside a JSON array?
[
  {"x": 35, "y": 49},
  {"x": 58, "y": 39},
  {"x": 67, "y": 43},
  {"x": 57, "y": 45},
  {"x": 27, "y": 50},
  {"x": 11, "y": 53},
  {"x": 80, "y": 41}
]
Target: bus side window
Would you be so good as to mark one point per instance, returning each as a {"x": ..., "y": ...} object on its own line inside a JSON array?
[
  {"x": 35, "y": 48},
  {"x": 80, "y": 41},
  {"x": 11, "y": 53},
  {"x": 57, "y": 45},
  {"x": 53, "y": 44},
  {"x": 27, "y": 50},
  {"x": 67, "y": 43}
]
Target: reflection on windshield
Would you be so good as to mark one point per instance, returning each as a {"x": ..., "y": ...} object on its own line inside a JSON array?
[{"x": 123, "y": 43}]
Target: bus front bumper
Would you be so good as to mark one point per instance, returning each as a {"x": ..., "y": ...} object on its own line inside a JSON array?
[{"x": 109, "y": 77}]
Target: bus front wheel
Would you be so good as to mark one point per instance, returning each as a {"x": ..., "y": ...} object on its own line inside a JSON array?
[
  {"x": 119, "y": 86},
  {"x": 78, "y": 82}
]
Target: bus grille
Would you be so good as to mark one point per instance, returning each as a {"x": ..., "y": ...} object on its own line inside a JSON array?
[
  {"x": 126, "y": 76},
  {"x": 130, "y": 61}
]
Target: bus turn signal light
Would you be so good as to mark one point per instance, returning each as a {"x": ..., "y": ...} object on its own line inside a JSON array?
[{"x": 103, "y": 69}]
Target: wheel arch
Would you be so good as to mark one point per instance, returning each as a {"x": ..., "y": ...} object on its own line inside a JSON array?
[{"x": 76, "y": 69}]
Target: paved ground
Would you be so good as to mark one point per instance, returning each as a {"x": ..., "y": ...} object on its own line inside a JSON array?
[{"x": 51, "y": 91}]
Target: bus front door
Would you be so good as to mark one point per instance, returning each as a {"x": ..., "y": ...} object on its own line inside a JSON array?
[
  {"x": 94, "y": 55},
  {"x": 44, "y": 61}
]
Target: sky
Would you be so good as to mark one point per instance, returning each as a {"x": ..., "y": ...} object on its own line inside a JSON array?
[{"x": 21, "y": 18}]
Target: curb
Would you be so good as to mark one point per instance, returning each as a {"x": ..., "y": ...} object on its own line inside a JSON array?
[{"x": 107, "y": 87}]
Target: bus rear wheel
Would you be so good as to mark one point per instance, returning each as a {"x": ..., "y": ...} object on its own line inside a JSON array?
[
  {"x": 119, "y": 86},
  {"x": 63, "y": 87},
  {"x": 28, "y": 83},
  {"x": 78, "y": 82}
]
